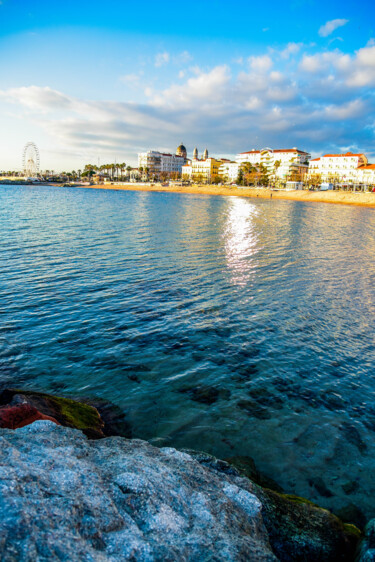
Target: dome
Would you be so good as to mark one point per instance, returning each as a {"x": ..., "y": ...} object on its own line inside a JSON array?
[{"x": 181, "y": 151}]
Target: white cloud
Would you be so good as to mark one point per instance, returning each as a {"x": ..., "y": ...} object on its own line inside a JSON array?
[
  {"x": 331, "y": 26},
  {"x": 261, "y": 63},
  {"x": 307, "y": 102},
  {"x": 290, "y": 49},
  {"x": 350, "y": 110},
  {"x": 204, "y": 88},
  {"x": 34, "y": 97},
  {"x": 161, "y": 59}
]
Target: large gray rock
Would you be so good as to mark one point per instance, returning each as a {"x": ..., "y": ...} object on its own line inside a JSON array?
[
  {"x": 63, "y": 497},
  {"x": 367, "y": 548}
]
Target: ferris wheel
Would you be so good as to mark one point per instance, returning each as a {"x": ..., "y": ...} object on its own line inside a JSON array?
[{"x": 30, "y": 160}]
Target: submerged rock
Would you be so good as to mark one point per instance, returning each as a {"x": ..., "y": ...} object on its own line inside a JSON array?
[
  {"x": 367, "y": 546},
  {"x": 206, "y": 394}
]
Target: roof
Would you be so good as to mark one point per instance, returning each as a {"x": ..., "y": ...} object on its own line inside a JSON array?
[
  {"x": 368, "y": 167},
  {"x": 276, "y": 150},
  {"x": 343, "y": 155},
  {"x": 314, "y": 159}
]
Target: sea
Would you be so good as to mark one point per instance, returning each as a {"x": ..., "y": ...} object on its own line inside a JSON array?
[{"x": 230, "y": 325}]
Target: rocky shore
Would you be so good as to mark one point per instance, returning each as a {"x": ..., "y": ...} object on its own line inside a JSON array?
[{"x": 69, "y": 492}]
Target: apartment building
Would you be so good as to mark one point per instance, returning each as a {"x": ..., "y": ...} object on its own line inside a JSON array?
[
  {"x": 158, "y": 162},
  {"x": 283, "y": 164},
  {"x": 228, "y": 171},
  {"x": 340, "y": 168}
]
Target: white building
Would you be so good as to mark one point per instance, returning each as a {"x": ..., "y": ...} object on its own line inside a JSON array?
[
  {"x": 281, "y": 163},
  {"x": 158, "y": 162},
  {"x": 366, "y": 175},
  {"x": 338, "y": 168},
  {"x": 228, "y": 171}
]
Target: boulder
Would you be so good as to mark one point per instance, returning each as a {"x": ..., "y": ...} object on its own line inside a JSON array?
[{"x": 64, "y": 497}]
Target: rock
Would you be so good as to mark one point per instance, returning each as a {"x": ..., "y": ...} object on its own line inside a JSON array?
[
  {"x": 64, "y": 411},
  {"x": 353, "y": 436},
  {"x": 298, "y": 530},
  {"x": 350, "y": 487},
  {"x": 64, "y": 497},
  {"x": 366, "y": 551},
  {"x": 351, "y": 514},
  {"x": 246, "y": 466},
  {"x": 206, "y": 394},
  {"x": 113, "y": 417},
  {"x": 16, "y": 415},
  {"x": 318, "y": 483},
  {"x": 253, "y": 409}
]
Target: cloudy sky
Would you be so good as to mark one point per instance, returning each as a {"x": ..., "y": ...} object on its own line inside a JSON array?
[{"x": 105, "y": 80}]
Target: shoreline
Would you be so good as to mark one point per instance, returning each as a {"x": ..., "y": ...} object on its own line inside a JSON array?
[{"x": 358, "y": 199}]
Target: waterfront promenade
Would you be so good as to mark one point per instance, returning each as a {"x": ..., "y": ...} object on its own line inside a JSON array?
[{"x": 336, "y": 197}]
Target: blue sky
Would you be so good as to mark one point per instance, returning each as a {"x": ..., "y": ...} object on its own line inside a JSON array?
[{"x": 93, "y": 80}]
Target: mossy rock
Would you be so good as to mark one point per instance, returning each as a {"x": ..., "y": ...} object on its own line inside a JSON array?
[
  {"x": 301, "y": 531},
  {"x": 67, "y": 412},
  {"x": 298, "y": 529}
]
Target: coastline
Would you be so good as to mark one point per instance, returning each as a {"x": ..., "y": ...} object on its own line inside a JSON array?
[{"x": 334, "y": 197}]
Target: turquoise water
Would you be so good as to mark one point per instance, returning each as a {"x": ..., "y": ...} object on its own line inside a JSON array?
[{"x": 236, "y": 326}]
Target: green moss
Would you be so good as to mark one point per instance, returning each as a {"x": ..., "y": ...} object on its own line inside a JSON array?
[
  {"x": 352, "y": 530},
  {"x": 81, "y": 416},
  {"x": 297, "y": 499}
]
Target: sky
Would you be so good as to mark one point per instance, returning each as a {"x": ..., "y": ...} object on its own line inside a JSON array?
[{"x": 98, "y": 82}]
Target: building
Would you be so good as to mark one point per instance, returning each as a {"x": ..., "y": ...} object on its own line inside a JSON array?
[
  {"x": 228, "y": 171},
  {"x": 158, "y": 163},
  {"x": 366, "y": 175},
  {"x": 283, "y": 164},
  {"x": 203, "y": 170},
  {"x": 339, "y": 168}
]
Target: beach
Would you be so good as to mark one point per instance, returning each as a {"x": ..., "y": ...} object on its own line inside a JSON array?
[{"x": 335, "y": 197}]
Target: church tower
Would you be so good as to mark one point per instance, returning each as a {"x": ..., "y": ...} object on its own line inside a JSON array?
[
  {"x": 205, "y": 154},
  {"x": 195, "y": 154}
]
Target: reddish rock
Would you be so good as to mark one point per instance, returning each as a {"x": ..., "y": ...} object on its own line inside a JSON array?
[{"x": 19, "y": 415}]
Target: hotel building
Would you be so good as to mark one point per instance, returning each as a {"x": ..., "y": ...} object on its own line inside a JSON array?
[
  {"x": 283, "y": 164},
  {"x": 339, "y": 168},
  {"x": 159, "y": 162},
  {"x": 228, "y": 171}
]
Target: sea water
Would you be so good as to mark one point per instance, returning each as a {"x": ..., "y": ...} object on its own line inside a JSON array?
[{"x": 230, "y": 325}]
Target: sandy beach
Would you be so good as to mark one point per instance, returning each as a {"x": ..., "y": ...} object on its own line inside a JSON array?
[{"x": 335, "y": 197}]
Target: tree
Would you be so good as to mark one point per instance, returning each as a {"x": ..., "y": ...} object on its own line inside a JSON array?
[
  {"x": 276, "y": 166},
  {"x": 240, "y": 177}
]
